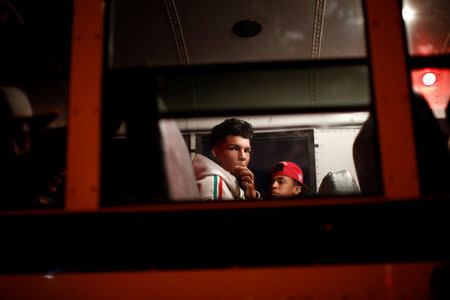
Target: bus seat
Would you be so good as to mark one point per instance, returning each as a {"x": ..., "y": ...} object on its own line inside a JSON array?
[
  {"x": 177, "y": 162},
  {"x": 366, "y": 158},
  {"x": 431, "y": 148},
  {"x": 338, "y": 183}
]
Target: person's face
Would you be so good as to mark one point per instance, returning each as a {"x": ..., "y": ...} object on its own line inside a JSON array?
[
  {"x": 284, "y": 187},
  {"x": 22, "y": 141},
  {"x": 233, "y": 151}
]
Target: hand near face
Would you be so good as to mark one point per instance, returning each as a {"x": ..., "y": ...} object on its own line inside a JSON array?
[{"x": 247, "y": 179}]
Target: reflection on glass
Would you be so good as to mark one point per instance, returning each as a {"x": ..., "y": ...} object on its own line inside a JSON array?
[
  {"x": 343, "y": 30},
  {"x": 427, "y": 26},
  {"x": 34, "y": 60},
  {"x": 266, "y": 89},
  {"x": 32, "y": 152}
]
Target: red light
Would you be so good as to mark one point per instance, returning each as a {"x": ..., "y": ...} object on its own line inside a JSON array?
[{"x": 429, "y": 78}]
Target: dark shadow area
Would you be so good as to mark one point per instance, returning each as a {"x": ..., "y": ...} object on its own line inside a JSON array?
[
  {"x": 36, "y": 39},
  {"x": 431, "y": 148},
  {"x": 32, "y": 155},
  {"x": 131, "y": 161},
  {"x": 367, "y": 158},
  {"x": 440, "y": 282},
  {"x": 350, "y": 234}
]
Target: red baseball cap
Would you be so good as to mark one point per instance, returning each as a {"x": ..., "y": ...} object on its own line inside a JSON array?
[{"x": 289, "y": 169}]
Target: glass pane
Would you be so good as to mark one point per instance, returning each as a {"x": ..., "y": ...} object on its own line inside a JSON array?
[
  {"x": 265, "y": 89},
  {"x": 153, "y": 33},
  {"x": 34, "y": 76},
  {"x": 431, "y": 110},
  {"x": 131, "y": 157},
  {"x": 326, "y": 154},
  {"x": 336, "y": 152},
  {"x": 343, "y": 29},
  {"x": 427, "y": 26}
]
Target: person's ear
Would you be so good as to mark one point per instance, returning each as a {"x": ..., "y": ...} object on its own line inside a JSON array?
[
  {"x": 297, "y": 190},
  {"x": 213, "y": 151}
]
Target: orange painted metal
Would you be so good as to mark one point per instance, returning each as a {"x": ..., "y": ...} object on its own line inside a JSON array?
[
  {"x": 227, "y": 205},
  {"x": 83, "y": 148},
  {"x": 224, "y": 205},
  {"x": 387, "y": 51},
  {"x": 231, "y": 205},
  {"x": 374, "y": 281}
]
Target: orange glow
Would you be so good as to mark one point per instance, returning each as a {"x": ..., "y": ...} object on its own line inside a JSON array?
[
  {"x": 392, "y": 100},
  {"x": 434, "y": 85},
  {"x": 83, "y": 153},
  {"x": 265, "y": 283}
]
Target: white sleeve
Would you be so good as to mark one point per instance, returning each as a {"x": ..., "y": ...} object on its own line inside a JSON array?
[{"x": 206, "y": 188}]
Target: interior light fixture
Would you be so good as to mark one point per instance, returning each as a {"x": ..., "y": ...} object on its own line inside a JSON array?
[
  {"x": 429, "y": 78},
  {"x": 246, "y": 28},
  {"x": 408, "y": 14}
]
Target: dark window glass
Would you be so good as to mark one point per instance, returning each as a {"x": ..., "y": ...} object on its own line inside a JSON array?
[
  {"x": 34, "y": 76},
  {"x": 213, "y": 91}
]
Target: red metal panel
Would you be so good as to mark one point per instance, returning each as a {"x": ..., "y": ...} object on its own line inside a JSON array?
[
  {"x": 376, "y": 281},
  {"x": 83, "y": 154},
  {"x": 392, "y": 98}
]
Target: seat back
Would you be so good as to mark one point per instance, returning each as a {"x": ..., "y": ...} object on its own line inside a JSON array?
[
  {"x": 366, "y": 158},
  {"x": 338, "y": 183},
  {"x": 180, "y": 175}
]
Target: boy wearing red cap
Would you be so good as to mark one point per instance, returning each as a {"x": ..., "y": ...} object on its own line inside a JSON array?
[{"x": 287, "y": 180}]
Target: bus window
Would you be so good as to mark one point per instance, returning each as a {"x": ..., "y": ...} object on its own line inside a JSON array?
[
  {"x": 297, "y": 72},
  {"x": 209, "y": 32},
  {"x": 270, "y": 89},
  {"x": 34, "y": 80},
  {"x": 427, "y": 27},
  {"x": 320, "y": 144}
]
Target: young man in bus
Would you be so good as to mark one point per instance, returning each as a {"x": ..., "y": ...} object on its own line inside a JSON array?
[
  {"x": 228, "y": 177},
  {"x": 287, "y": 180}
]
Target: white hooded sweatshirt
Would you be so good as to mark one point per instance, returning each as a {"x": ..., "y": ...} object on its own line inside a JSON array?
[{"x": 214, "y": 182}]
